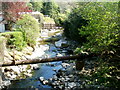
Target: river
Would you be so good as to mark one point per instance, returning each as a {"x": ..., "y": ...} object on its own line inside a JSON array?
[{"x": 52, "y": 49}]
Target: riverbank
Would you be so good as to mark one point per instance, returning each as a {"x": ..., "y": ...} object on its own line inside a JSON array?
[
  {"x": 17, "y": 72},
  {"x": 24, "y": 71},
  {"x": 56, "y": 75}
]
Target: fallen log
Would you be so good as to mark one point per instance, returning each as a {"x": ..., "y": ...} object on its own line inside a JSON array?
[{"x": 34, "y": 61}]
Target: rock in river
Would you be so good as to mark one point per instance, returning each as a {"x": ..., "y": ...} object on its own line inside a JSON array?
[
  {"x": 41, "y": 79},
  {"x": 45, "y": 82}
]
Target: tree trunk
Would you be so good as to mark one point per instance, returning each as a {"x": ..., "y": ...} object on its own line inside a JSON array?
[{"x": 34, "y": 61}]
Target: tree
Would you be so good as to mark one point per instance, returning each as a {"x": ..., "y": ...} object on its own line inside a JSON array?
[
  {"x": 30, "y": 29},
  {"x": 11, "y": 11},
  {"x": 37, "y": 6},
  {"x": 102, "y": 30},
  {"x": 51, "y": 8},
  {"x": 72, "y": 25}
]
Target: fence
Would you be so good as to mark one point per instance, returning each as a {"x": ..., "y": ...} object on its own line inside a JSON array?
[{"x": 48, "y": 26}]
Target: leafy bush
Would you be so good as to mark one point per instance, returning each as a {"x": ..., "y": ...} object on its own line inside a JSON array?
[
  {"x": 72, "y": 25},
  {"x": 105, "y": 75},
  {"x": 29, "y": 27},
  {"x": 14, "y": 40},
  {"x": 102, "y": 30},
  {"x": 48, "y": 20},
  {"x": 60, "y": 19}
]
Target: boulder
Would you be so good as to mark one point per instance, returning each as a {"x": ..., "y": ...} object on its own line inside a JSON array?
[
  {"x": 15, "y": 69},
  {"x": 58, "y": 43},
  {"x": 6, "y": 69},
  {"x": 23, "y": 58},
  {"x": 17, "y": 57},
  {"x": 55, "y": 77},
  {"x": 35, "y": 67},
  {"x": 64, "y": 65},
  {"x": 59, "y": 55},
  {"x": 7, "y": 55},
  {"x": 29, "y": 71},
  {"x": 61, "y": 43},
  {"x": 41, "y": 79},
  {"x": 27, "y": 50},
  {"x": 71, "y": 84},
  {"x": 13, "y": 76},
  {"x": 28, "y": 74},
  {"x": 45, "y": 82}
]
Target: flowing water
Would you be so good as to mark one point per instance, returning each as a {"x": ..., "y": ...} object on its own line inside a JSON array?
[{"x": 46, "y": 69}]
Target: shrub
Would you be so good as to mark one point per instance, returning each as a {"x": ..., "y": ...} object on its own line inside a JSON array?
[
  {"x": 102, "y": 30},
  {"x": 29, "y": 26},
  {"x": 14, "y": 40},
  {"x": 48, "y": 20},
  {"x": 72, "y": 25},
  {"x": 60, "y": 19}
]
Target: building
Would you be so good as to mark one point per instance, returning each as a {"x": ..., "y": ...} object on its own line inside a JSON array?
[{"x": 2, "y": 24}]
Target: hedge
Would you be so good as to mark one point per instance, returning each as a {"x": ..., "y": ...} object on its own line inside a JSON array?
[{"x": 14, "y": 40}]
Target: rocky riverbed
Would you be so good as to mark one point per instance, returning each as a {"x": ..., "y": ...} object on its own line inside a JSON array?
[
  {"x": 59, "y": 75},
  {"x": 24, "y": 71},
  {"x": 17, "y": 72},
  {"x": 67, "y": 77}
]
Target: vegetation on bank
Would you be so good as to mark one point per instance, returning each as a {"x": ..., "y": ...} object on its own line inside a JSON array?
[
  {"x": 26, "y": 31},
  {"x": 14, "y": 40},
  {"x": 95, "y": 25},
  {"x": 30, "y": 29}
]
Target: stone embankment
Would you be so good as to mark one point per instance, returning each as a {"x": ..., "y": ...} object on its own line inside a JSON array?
[{"x": 17, "y": 72}]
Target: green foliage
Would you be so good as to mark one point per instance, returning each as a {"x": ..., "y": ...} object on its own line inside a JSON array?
[
  {"x": 72, "y": 25},
  {"x": 104, "y": 75},
  {"x": 48, "y": 20},
  {"x": 52, "y": 9},
  {"x": 61, "y": 19},
  {"x": 30, "y": 29},
  {"x": 102, "y": 30},
  {"x": 14, "y": 40},
  {"x": 37, "y": 6}
]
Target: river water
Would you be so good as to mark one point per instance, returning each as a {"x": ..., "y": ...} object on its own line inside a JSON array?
[{"x": 46, "y": 69}]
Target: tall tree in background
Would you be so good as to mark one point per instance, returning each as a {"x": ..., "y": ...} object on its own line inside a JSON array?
[
  {"x": 37, "y": 6},
  {"x": 51, "y": 8},
  {"x": 102, "y": 30},
  {"x": 11, "y": 12}
]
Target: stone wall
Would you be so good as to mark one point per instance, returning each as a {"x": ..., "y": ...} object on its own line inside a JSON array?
[{"x": 1, "y": 56}]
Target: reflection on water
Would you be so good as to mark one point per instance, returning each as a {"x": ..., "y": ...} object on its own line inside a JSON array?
[{"x": 45, "y": 71}]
